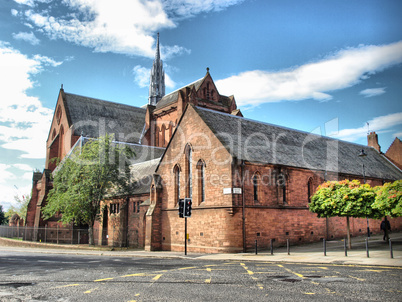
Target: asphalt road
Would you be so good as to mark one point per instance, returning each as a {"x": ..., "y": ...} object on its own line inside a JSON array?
[{"x": 57, "y": 277}]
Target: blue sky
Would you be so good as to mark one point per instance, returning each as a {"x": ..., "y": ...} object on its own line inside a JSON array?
[{"x": 329, "y": 67}]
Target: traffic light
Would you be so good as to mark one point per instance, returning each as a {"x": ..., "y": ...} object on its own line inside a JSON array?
[
  {"x": 187, "y": 207},
  {"x": 181, "y": 208}
]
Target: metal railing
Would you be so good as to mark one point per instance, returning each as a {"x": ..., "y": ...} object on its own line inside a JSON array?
[{"x": 70, "y": 235}]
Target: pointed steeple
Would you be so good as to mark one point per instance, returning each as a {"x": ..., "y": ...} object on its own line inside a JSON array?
[{"x": 157, "y": 80}]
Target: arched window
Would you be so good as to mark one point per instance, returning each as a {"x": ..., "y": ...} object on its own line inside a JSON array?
[
  {"x": 176, "y": 172},
  {"x": 163, "y": 140},
  {"x": 170, "y": 130},
  {"x": 282, "y": 183},
  {"x": 157, "y": 137},
  {"x": 189, "y": 176},
  {"x": 310, "y": 189},
  {"x": 61, "y": 142},
  {"x": 201, "y": 181},
  {"x": 256, "y": 187}
]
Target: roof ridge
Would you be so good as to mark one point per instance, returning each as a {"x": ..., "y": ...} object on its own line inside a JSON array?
[
  {"x": 279, "y": 126},
  {"x": 105, "y": 101}
]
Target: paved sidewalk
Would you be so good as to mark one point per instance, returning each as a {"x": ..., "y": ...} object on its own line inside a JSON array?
[{"x": 379, "y": 252}]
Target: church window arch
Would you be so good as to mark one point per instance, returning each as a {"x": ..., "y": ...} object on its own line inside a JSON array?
[
  {"x": 157, "y": 137},
  {"x": 176, "y": 172},
  {"x": 170, "y": 130},
  {"x": 53, "y": 134},
  {"x": 257, "y": 187},
  {"x": 61, "y": 142},
  {"x": 189, "y": 176},
  {"x": 58, "y": 115},
  {"x": 201, "y": 181},
  {"x": 163, "y": 136}
]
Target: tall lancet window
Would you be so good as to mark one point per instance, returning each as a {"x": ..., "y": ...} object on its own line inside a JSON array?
[
  {"x": 177, "y": 184},
  {"x": 189, "y": 154},
  {"x": 201, "y": 181}
]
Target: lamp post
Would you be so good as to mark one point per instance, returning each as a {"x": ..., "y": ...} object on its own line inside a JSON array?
[{"x": 364, "y": 154}]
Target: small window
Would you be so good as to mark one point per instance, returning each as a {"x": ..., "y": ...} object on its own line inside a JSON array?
[
  {"x": 138, "y": 206},
  {"x": 114, "y": 208},
  {"x": 256, "y": 187}
]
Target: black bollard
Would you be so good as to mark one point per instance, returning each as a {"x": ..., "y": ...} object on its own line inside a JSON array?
[
  {"x": 367, "y": 249},
  {"x": 288, "y": 246},
  {"x": 272, "y": 247},
  {"x": 325, "y": 246},
  {"x": 256, "y": 250},
  {"x": 390, "y": 248}
]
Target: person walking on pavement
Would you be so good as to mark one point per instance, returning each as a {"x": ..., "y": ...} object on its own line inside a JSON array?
[{"x": 385, "y": 226}]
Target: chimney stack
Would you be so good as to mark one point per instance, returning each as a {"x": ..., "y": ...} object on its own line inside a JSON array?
[{"x": 372, "y": 141}]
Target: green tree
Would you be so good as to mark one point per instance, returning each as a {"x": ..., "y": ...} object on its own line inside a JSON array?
[
  {"x": 91, "y": 174},
  {"x": 3, "y": 218},
  {"x": 388, "y": 199},
  {"x": 345, "y": 199},
  {"x": 21, "y": 208}
]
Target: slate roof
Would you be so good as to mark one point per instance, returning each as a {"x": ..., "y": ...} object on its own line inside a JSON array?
[
  {"x": 173, "y": 96},
  {"x": 142, "y": 175},
  {"x": 260, "y": 142},
  {"x": 92, "y": 117}
]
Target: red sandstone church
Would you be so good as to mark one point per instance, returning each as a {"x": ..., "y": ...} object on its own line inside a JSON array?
[{"x": 248, "y": 180}]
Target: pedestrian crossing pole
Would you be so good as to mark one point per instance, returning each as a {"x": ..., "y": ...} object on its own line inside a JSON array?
[{"x": 185, "y": 235}]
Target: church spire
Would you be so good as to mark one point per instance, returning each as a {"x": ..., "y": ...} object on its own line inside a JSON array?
[{"x": 157, "y": 81}]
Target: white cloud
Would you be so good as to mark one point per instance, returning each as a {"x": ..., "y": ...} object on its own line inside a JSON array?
[
  {"x": 25, "y": 122},
  {"x": 169, "y": 82},
  {"x": 183, "y": 9},
  {"x": 398, "y": 134},
  {"x": 141, "y": 75},
  {"x": 313, "y": 80},
  {"x": 27, "y": 175},
  {"x": 119, "y": 26},
  {"x": 381, "y": 123},
  {"x": 7, "y": 193},
  {"x": 28, "y": 37},
  {"x": 370, "y": 92},
  {"x": 4, "y": 174},
  {"x": 23, "y": 167}
]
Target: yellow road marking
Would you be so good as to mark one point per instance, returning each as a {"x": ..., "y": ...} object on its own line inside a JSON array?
[
  {"x": 323, "y": 267},
  {"x": 357, "y": 278},
  {"x": 208, "y": 269},
  {"x": 208, "y": 280},
  {"x": 103, "y": 279},
  {"x": 309, "y": 293},
  {"x": 376, "y": 270},
  {"x": 250, "y": 272},
  {"x": 187, "y": 267},
  {"x": 290, "y": 271},
  {"x": 90, "y": 290},
  {"x": 132, "y": 275},
  {"x": 156, "y": 277}
]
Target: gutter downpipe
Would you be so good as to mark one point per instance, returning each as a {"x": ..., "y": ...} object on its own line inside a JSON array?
[{"x": 243, "y": 207}]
